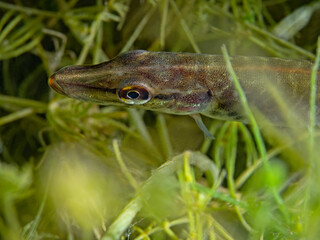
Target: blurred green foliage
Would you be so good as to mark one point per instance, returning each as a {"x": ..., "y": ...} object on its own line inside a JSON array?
[{"x": 74, "y": 170}]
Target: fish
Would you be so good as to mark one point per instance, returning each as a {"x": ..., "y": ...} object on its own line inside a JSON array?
[{"x": 192, "y": 84}]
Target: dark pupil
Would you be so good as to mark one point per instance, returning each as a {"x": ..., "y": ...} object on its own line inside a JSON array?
[{"x": 133, "y": 94}]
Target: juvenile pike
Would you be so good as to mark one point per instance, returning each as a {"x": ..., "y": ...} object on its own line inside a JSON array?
[{"x": 189, "y": 84}]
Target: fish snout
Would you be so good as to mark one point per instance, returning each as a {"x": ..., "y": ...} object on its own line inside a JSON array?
[{"x": 55, "y": 85}]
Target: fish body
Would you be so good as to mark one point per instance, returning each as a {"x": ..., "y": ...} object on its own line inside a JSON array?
[{"x": 190, "y": 83}]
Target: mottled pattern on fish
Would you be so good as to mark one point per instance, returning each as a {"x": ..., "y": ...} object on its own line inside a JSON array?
[{"x": 188, "y": 83}]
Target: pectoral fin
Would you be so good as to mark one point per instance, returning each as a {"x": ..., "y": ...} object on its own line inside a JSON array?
[{"x": 201, "y": 125}]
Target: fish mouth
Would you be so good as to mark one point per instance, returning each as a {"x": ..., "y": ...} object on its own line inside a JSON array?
[{"x": 55, "y": 86}]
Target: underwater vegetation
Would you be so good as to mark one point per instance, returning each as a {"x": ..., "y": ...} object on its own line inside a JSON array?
[{"x": 77, "y": 170}]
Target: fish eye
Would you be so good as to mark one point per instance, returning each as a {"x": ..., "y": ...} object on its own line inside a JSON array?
[{"x": 134, "y": 95}]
